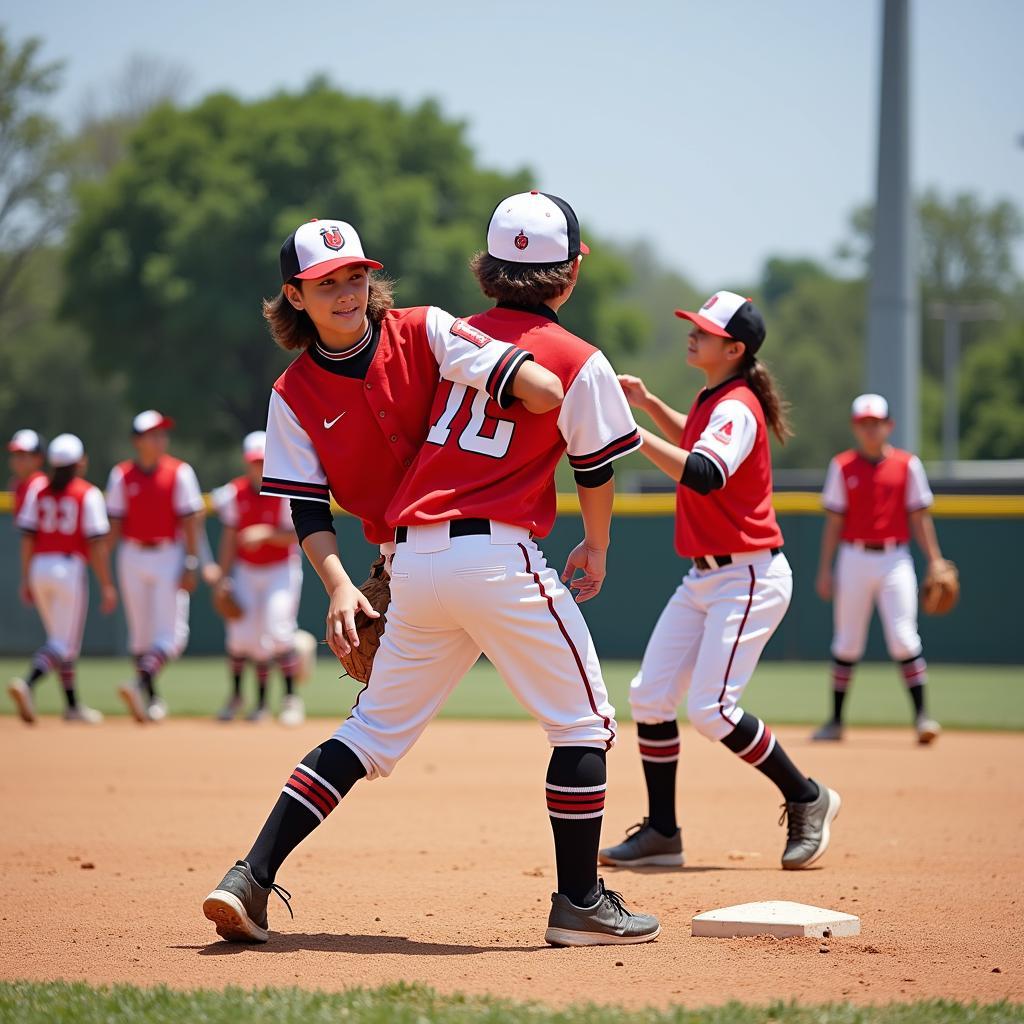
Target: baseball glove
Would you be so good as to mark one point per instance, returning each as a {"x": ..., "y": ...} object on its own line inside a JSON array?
[
  {"x": 377, "y": 590},
  {"x": 941, "y": 588},
  {"x": 225, "y": 604}
]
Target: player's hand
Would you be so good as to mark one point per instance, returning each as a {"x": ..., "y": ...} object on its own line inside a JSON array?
[
  {"x": 108, "y": 599},
  {"x": 253, "y": 536},
  {"x": 212, "y": 574},
  {"x": 823, "y": 583},
  {"x": 635, "y": 390},
  {"x": 346, "y": 600},
  {"x": 592, "y": 563},
  {"x": 189, "y": 581},
  {"x": 26, "y": 595}
]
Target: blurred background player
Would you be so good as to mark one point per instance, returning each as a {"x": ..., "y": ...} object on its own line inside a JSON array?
[
  {"x": 259, "y": 562},
  {"x": 875, "y": 497},
  {"x": 26, "y": 461},
  {"x": 156, "y": 511},
  {"x": 64, "y": 525}
]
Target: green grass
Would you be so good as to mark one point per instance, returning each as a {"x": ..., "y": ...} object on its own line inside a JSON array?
[
  {"x": 960, "y": 696},
  {"x": 30, "y": 1003}
]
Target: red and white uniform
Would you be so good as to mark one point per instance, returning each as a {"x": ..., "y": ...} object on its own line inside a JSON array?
[
  {"x": 709, "y": 637},
  {"x": 333, "y": 432},
  {"x": 874, "y": 565},
  {"x": 24, "y": 487},
  {"x": 61, "y": 525},
  {"x": 267, "y": 578},
  {"x": 150, "y": 506},
  {"x": 456, "y": 595}
]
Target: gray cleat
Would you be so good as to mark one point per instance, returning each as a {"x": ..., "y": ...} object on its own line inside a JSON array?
[
  {"x": 606, "y": 923},
  {"x": 238, "y": 906},
  {"x": 927, "y": 730},
  {"x": 644, "y": 846},
  {"x": 230, "y": 710},
  {"x": 830, "y": 732},
  {"x": 21, "y": 693},
  {"x": 808, "y": 832}
]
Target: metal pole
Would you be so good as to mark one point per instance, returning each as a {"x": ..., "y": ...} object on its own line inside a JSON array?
[{"x": 951, "y": 390}]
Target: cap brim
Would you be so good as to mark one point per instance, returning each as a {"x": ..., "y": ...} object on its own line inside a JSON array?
[
  {"x": 12, "y": 447},
  {"x": 868, "y": 416},
  {"x": 703, "y": 323},
  {"x": 584, "y": 249},
  {"x": 165, "y": 424},
  {"x": 253, "y": 457},
  {"x": 328, "y": 266}
]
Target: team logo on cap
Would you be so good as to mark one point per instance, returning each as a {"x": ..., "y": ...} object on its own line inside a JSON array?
[
  {"x": 332, "y": 238},
  {"x": 710, "y": 302},
  {"x": 521, "y": 240}
]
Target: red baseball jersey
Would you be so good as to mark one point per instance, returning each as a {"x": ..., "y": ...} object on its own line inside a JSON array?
[
  {"x": 21, "y": 491},
  {"x": 330, "y": 431},
  {"x": 727, "y": 425},
  {"x": 482, "y": 462},
  {"x": 150, "y": 502},
  {"x": 239, "y": 505},
  {"x": 63, "y": 522},
  {"x": 875, "y": 498}
]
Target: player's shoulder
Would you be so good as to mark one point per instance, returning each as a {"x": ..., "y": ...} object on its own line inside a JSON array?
[
  {"x": 901, "y": 456},
  {"x": 405, "y": 324},
  {"x": 846, "y": 458},
  {"x": 298, "y": 368},
  {"x": 79, "y": 487}
]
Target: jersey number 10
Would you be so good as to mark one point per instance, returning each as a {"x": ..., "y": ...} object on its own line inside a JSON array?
[{"x": 493, "y": 444}]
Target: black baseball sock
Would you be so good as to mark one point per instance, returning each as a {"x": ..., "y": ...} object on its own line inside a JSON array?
[
  {"x": 659, "y": 752},
  {"x": 289, "y": 662},
  {"x": 262, "y": 674},
  {"x": 575, "y": 793},
  {"x": 149, "y": 667},
  {"x": 237, "y": 668},
  {"x": 312, "y": 791},
  {"x": 842, "y": 673},
  {"x": 43, "y": 661},
  {"x": 753, "y": 741},
  {"x": 67, "y": 679},
  {"x": 915, "y": 675}
]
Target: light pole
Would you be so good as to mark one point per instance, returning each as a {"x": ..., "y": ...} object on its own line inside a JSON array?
[{"x": 952, "y": 315}]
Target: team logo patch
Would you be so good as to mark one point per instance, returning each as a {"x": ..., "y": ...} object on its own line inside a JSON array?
[
  {"x": 469, "y": 333},
  {"x": 710, "y": 302},
  {"x": 332, "y": 238},
  {"x": 725, "y": 434},
  {"x": 522, "y": 241}
]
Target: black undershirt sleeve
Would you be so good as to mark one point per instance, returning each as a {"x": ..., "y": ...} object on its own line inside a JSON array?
[
  {"x": 700, "y": 474},
  {"x": 594, "y": 477},
  {"x": 311, "y": 517}
]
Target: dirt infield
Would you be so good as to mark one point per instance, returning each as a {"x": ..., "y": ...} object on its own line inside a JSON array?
[{"x": 441, "y": 874}]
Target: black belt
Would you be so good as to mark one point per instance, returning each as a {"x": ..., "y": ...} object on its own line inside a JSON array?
[
  {"x": 703, "y": 564},
  {"x": 872, "y": 547},
  {"x": 456, "y": 528},
  {"x": 149, "y": 545}
]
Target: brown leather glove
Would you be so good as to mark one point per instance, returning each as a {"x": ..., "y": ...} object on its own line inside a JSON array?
[
  {"x": 941, "y": 588},
  {"x": 377, "y": 590},
  {"x": 225, "y": 604}
]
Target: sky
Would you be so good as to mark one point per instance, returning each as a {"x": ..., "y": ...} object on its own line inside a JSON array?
[{"x": 718, "y": 132}]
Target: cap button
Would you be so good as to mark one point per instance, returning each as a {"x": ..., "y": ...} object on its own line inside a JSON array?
[{"x": 534, "y": 192}]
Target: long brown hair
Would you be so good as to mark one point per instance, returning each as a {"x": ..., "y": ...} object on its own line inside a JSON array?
[
  {"x": 61, "y": 476},
  {"x": 520, "y": 283},
  {"x": 774, "y": 406}
]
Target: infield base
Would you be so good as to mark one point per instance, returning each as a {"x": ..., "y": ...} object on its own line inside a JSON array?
[{"x": 780, "y": 918}]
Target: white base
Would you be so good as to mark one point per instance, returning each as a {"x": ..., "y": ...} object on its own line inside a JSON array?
[{"x": 780, "y": 918}]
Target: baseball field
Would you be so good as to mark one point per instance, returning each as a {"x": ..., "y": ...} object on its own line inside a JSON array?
[{"x": 425, "y": 896}]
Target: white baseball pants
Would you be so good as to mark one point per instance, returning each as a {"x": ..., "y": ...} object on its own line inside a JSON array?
[
  {"x": 154, "y": 605},
  {"x": 453, "y": 598},
  {"x": 60, "y": 590},
  {"x": 708, "y": 640},
  {"x": 864, "y": 579},
  {"x": 269, "y": 597}
]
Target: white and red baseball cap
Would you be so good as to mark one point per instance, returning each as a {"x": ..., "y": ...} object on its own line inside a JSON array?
[
  {"x": 254, "y": 446},
  {"x": 25, "y": 441},
  {"x": 535, "y": 228},
  {"x": 729, "y": 315},
  {"x": 65, "y": 450},
  {"x": 151, "y": 420},
  {"x": 317, "y": 247},
  {"x": 869, "y": 407}
]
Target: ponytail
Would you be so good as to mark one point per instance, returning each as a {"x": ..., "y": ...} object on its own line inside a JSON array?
[
  {"x": 61, "y": 476},
  {"x": 774, "y": 406}
]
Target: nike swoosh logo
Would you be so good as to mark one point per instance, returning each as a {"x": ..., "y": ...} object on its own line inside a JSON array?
[{"x": 327, "y": 426}]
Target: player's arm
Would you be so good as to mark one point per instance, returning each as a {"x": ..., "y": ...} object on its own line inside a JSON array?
[
  {"x": 668, "y": 420},
  {"x": 668, "y": 457},
  {"x": 834, "y": 501},
  {"x": 191, "y": 512},
  {"x": 190, "y": 527},
  {"x": 114, "y": 500},
  {"x": 919, "y": 498},
  {"x": 28, "y": 543},
  {"x": 96, "y": 527},
  {"x": 537, "y": 388}
]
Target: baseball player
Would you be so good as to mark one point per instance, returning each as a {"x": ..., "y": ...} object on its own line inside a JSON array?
[
  {"x": 875, "y": 497},
  {"x": 26, "y": 462},
  {"x": 64, "y": 526},
  {"x": 708, "y": 640},
  {"x": 156, "y": 512},
  {"x": 259, "y": 563},
  {"x": 467, "y": 577}
]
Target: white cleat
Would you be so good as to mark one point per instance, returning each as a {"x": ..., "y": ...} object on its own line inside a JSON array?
[
  {"x": 21, "y": 693},
  {"x": 156, "y": 711},
  {"x": 927, "y": 729},
  {"x": 83, "y": 714},
  {"x": 293, "y": 711},
  {"x": 132, "y": 697}
]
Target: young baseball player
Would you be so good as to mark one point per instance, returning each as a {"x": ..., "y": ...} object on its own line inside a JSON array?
[
  {"x": 467, "y": 576},
  {"x": 708, "y": 640},
  {"x": 875, "y": 497},
  {"x": 26, "y": 461},
  {"x": 156, "y": 512},
  {"x": 64, "y": 526},
  {"x": 259, "y": 563}
]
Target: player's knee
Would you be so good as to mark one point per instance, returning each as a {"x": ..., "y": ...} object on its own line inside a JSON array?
[
  {"x": 648, "y": 703},
  {"x": 706, "y": 717}
]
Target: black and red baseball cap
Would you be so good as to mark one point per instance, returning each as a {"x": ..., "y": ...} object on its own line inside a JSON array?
[
  {"x": 318, "y": 247},
  {"x": 151, "y": 420},
  {"x": 729, "y": 315},
  {"x": 534, "y": 228}
]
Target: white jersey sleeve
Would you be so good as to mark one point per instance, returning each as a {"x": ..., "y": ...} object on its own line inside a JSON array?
[
  {"x": 94, "y": 514},
  {"x": 729, "y": 437},
  {"x": 595, "y": 418},
  {"x": 291, "y": 466},
  {"x": 833, "y": 494},
  {"x": 468, "y": 356},
  {"x": 225, "y": 501},
  {"x": 919, "y": 493},
  {"x": 28, "y": 517},
  {"x": 187, "y": 496},
  {"x": 117, "y": 506}
]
